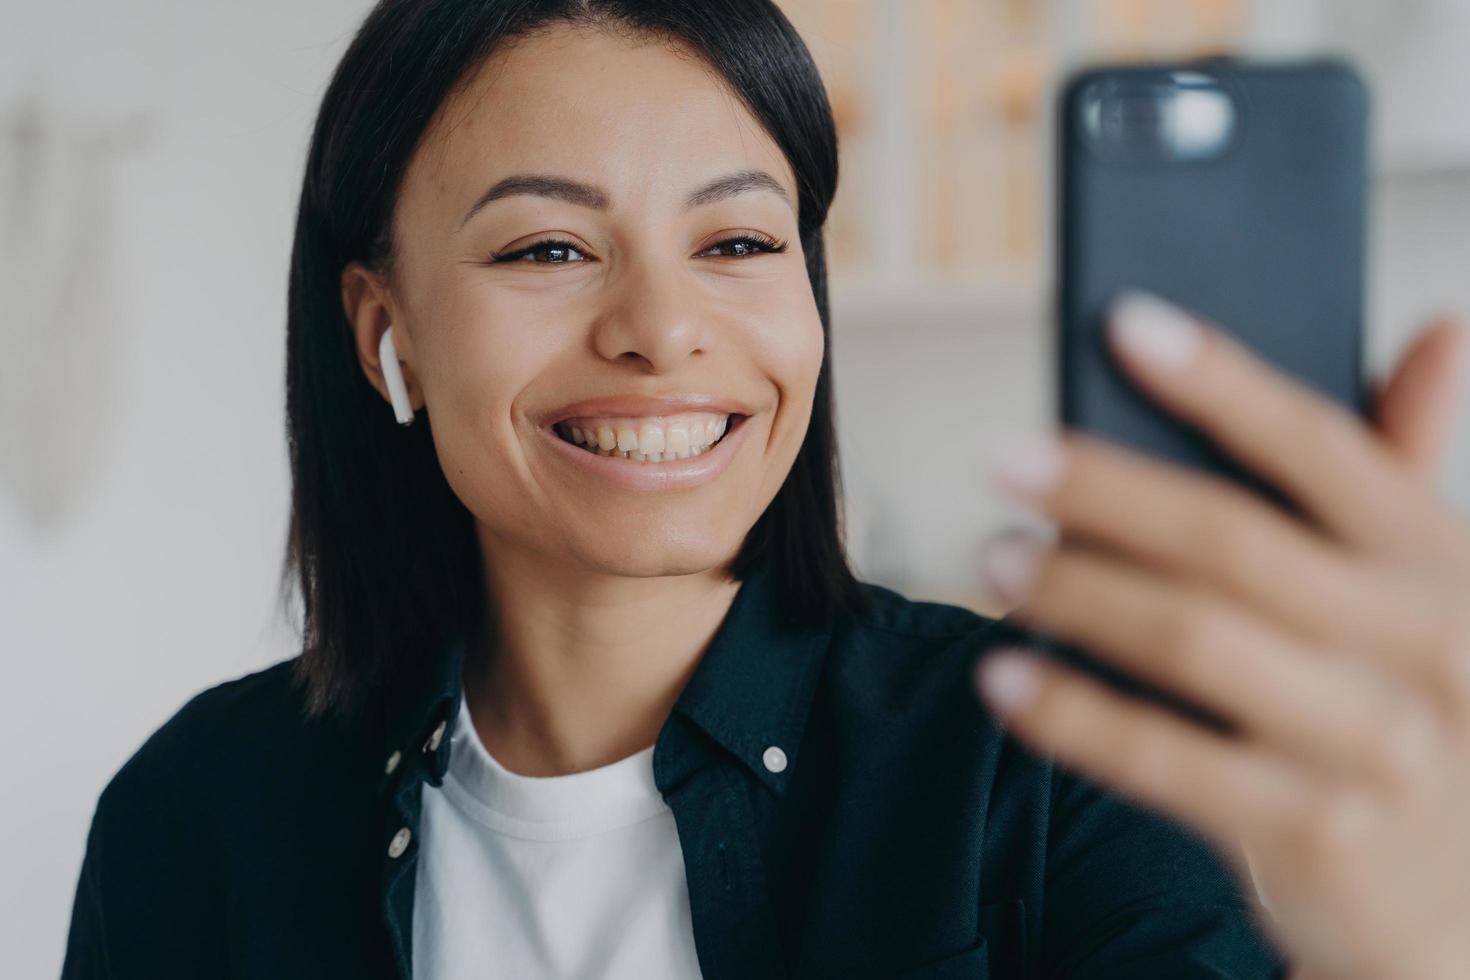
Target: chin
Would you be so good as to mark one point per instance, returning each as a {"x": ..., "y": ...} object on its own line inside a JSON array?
[{"x": 647, "y": 556}]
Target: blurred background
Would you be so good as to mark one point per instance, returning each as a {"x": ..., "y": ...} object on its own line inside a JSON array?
[{"x": 150, "y": 158}]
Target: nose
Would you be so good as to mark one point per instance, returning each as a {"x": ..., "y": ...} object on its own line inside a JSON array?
[{"x": 655, "y": 319}]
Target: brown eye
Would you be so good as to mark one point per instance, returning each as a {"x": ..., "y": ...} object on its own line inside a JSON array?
[
  {"x": 556, "y": 251},
  {"x": 749, "y": 244}
]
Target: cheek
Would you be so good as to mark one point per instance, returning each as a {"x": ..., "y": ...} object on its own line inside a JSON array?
[
  {"x": 479, "y": 358},
  {"x": 792, "y": 353},
  {"x": 812, "y": 351}
]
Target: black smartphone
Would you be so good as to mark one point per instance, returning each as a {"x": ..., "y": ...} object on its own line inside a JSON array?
[{"x": 1235, "y": 189}]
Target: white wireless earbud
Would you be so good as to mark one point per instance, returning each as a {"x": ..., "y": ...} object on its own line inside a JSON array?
[{"x": 393, "y": 374}]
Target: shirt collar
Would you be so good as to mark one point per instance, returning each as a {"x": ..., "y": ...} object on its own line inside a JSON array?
[
  {"x": 426, "y": 696},
  {"x": 751, "y": 692}
]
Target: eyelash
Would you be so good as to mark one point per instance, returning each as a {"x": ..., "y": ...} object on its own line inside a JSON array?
[{"x": 764, "y": 244}]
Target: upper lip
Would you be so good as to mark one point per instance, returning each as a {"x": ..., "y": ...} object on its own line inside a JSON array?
[{"x": 640, "y": 406}]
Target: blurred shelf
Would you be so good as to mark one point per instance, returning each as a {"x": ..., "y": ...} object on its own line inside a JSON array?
[
  {"x": 1023, "y": 304},
  {"x": 944, "y": 112}
]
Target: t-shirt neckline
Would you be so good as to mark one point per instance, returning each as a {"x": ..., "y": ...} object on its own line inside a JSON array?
[{"x": 579, "y": 804}]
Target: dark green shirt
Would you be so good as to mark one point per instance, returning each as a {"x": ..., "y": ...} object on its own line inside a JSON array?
[{"x": 907, "y": 836}]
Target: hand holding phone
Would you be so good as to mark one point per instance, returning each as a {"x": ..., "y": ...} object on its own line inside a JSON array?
[{"x": 1332, "y": 637}]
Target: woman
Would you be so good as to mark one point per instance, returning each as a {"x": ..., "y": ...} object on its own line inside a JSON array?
[{"x": 587, "y": 687}]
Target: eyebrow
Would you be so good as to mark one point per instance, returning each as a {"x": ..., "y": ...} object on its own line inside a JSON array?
[{"x": 592, "y": 196}]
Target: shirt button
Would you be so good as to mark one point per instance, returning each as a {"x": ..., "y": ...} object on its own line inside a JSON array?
[
  {"x": 434, "y": 739},
  {"x": 774, "y": 758},
  {"x": 399, "y": 842},
  {"x": 393, "y": 761}
]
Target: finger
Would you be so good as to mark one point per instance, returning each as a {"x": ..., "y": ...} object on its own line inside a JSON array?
[
  {"x": 1195, "y": 525},
  {"x": 1415, "y": 408},
  {"x": 1226, "y": 790},
  {"x": 1297, "y": 701},
  {"x": 1314, "y": 449}
]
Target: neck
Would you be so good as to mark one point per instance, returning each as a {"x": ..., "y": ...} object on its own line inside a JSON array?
[{"x": 573, "y": 670}]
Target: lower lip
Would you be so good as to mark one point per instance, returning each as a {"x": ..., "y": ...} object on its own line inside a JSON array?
[{"x": 666, "y": 475}]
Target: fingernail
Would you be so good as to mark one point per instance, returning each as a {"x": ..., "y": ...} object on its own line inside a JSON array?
[
  {"x": 1011, "y": 565},
  {"x": 1007, "y": 678},
  {"x": 1153, "y": 331},
  {"x": 1025, "y": 462}
]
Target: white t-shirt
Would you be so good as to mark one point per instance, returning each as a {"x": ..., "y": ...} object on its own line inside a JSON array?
[{"x": 578, "y": 876}]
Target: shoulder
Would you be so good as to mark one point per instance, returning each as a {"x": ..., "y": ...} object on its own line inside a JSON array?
[
  {"x": 896, "y": 614},
  {"x": 899, "y": 636},
  {"x": 220, "y": 744},
  {"x": 229, "y": 711},
  {"x": 197, "y": 808},
  {"x": 900, "y": 672},
  {"x": 899, "y": 685}
]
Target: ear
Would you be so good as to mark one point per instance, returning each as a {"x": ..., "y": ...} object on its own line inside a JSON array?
[{"x": 370, "y": 311}]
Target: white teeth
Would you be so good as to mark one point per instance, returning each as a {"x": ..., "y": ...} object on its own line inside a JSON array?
[
  {"x": 678, "y": 440},
  {"x": 651, "y": 439},
  {"x": 651, "y": 442}
]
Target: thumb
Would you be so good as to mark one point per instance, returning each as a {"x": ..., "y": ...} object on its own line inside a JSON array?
[{"x": 1414, "y": 408}]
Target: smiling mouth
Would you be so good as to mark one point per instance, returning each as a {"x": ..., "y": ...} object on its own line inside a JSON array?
[{"x": 649, "y": 440}]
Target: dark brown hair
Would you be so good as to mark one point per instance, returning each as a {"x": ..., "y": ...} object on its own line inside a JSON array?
[{"x": 384, "y": 554}]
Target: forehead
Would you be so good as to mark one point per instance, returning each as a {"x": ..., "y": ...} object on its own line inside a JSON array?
[{"x": 642, "y": 117}]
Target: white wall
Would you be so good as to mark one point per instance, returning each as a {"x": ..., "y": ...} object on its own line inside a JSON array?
[
  {"x": 142, "y": 568},
  {"x": 149, "y": 574}
]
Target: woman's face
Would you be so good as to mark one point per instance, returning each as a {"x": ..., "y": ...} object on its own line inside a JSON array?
[{"x": 641, "y": 329}]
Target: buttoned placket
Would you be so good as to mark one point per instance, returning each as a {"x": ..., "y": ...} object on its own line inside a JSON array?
[
  {"x": 729, "y": 897},
  {"x": 400, "y": 858},
  {"x": 723, "y": 781}
]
